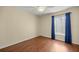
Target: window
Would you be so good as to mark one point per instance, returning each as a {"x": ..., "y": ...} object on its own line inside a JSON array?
[{"x": 60, "y": 24}]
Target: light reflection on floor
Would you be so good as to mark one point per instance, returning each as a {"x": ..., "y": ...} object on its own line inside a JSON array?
[{"x": 58, "y": 47}]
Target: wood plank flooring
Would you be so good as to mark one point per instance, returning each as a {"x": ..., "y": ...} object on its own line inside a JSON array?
[{"x": 41, "y": 44}]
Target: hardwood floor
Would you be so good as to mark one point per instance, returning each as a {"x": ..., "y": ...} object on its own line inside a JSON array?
[{"x": 41, "y": 44}]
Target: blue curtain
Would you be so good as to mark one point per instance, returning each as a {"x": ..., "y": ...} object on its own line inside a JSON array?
[
  {"x": 68, "y": 36},
  {"x": 52, "y": 32}
]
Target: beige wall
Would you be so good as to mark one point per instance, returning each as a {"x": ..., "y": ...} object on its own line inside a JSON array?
[
  {"x": 45, "y": 24},
  {"x": 16, "y": 25}
]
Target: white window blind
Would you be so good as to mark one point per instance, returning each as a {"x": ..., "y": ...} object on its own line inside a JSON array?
[{"x": 60, "y": 24}]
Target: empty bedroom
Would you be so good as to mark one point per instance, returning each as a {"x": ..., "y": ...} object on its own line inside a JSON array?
[{"x": 39, "y": 29}]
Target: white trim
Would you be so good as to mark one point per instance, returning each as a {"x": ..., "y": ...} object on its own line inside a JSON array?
[
  {"x": 60, "y": 34},
  {"x": 17, "y": 42}
]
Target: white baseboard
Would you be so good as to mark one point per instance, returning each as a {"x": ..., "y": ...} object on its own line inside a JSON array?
[
  {"x": 61, "y": 38},
  {"x": 3, "y": 46}
]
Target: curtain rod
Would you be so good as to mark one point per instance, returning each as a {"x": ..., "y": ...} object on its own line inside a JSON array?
[{"x": 61, "y": 13}]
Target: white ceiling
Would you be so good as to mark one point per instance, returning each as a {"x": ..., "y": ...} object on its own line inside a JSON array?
[{"x": 49, "y": 9}]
